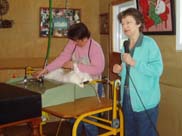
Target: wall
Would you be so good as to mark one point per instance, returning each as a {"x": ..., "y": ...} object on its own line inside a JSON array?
[
  {"x": 21, "y": 44},
  {"x": 105, "y": 38},
  {"x": 170, "y": 117}
]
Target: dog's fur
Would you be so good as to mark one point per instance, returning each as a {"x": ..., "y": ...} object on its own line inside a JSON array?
[{"x": 74, "y": 76}]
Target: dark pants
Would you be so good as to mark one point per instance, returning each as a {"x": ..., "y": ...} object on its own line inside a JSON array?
[
  {"x": 138, "y": 123},
  {"x": 90, "y": 130}
]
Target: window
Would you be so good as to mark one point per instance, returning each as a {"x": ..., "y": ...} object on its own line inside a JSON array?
[
  {"x": 118, "y": 36},
  {"x": 178, "y": 25}
]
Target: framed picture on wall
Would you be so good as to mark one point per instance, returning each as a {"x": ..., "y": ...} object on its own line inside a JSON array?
[
  {"x": 61, "y": 20},
  {"x": 158, "y": 15},
  {"x": 104, "y": 23}
]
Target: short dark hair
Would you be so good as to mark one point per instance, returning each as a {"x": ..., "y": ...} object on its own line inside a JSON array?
[
  {"x": 138, "y": 16},
  {"x": 78, "y": 31}
]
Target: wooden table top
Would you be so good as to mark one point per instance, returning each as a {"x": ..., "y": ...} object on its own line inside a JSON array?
[{"x": 78, "y": 107}]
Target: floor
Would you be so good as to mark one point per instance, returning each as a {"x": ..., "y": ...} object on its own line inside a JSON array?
[{"x": 49, "y": 129}]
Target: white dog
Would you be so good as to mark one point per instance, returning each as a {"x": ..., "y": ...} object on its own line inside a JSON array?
[{"x": 74, "y": 76}]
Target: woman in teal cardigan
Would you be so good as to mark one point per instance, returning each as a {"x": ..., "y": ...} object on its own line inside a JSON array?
[{"x": 140, "y": 73}]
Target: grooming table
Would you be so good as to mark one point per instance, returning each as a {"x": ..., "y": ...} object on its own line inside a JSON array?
[
  {"x": 54, "y": 93},
  {"x": 19, "y": 105}
]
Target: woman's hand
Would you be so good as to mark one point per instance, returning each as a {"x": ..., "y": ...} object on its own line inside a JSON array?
[
  {"x": 117, "y": 68},
  {"x": 126, "y": 57},
  {"x": 40, "y": 73},
  {"x": 68, "y": 65}
]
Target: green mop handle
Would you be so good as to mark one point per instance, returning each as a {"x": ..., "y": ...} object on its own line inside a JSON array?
[{"x": 50, "y": 34}]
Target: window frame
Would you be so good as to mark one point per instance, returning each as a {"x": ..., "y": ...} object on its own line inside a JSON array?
[
  {"x": 178, "y": 25},
  {"x": 118, "y": 36}
]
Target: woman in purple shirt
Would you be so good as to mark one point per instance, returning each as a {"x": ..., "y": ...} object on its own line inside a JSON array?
[{"x": 86, "y": 53}]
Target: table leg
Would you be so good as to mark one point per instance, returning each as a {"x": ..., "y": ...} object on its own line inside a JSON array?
[
  {"x": 1, "y": 132},
  {"x": 35, "y": 125}
]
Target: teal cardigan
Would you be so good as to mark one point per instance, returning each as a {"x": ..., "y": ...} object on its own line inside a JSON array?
[{"x": 145, "y": 75}]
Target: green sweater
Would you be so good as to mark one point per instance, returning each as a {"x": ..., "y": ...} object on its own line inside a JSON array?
[{"x": 145, "y": 75}]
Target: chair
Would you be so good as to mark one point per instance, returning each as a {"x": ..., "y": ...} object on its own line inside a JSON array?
[{"x": 82, "y": 108}]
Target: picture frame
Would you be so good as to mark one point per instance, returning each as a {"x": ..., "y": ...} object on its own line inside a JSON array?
[
  {"x": 62, "y": 18},
  {"x": 159, "y": 17},
  {"x": 104, "y": 23}
]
